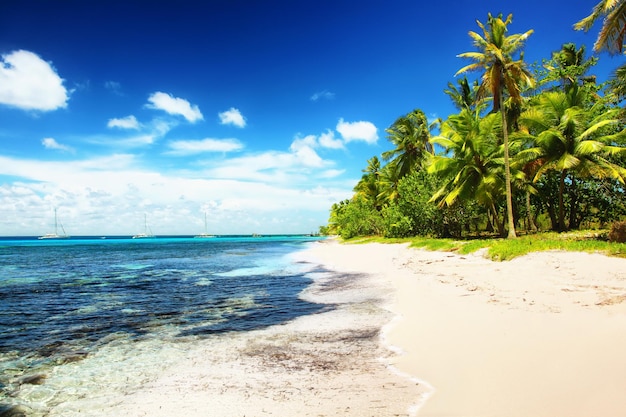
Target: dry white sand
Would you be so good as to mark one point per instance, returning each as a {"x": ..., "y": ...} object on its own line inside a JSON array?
[{"x": 542, "y": 335}]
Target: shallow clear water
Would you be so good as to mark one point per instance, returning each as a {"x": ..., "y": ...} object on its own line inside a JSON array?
[{"x": 64, "y": 301}]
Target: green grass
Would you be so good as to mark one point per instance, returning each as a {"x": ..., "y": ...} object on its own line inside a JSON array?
[{"x": 506, "y": 249}]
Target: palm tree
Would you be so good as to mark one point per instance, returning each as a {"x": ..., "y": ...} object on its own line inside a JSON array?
[
  {"x": 410, "y": 134},
  {"x": 463, "y": 96},
  {"x": 617, "y": 84},
  {"x": 569, "y": 140},
  {"x": 569, "y": 66},
  {"x": 389, "y": 179},
  {"x": 473, "y": 167},
  {"x": 611, "y": 36},
  {"x": 501, "y": 73},
  {"x": 369, "y": 184}
]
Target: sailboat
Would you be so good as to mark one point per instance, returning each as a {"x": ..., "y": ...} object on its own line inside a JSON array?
[
  {"x": 147, "y": 233},
  {"x": 56, "y": 234},
  {"x": 206, "y": 231}
]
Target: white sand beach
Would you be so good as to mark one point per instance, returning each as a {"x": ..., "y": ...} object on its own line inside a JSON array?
[
  {"x": 541, "y": 335},
  {"x": 412, "y": 332}
]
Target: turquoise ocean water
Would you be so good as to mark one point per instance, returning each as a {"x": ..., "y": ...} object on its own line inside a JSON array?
[{"x": 62, "y": 301}]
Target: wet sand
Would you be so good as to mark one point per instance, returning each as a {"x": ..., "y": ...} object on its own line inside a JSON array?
[{"x": 333, "y": 363}]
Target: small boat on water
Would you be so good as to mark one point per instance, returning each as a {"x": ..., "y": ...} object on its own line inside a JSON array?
[
  {"x": 206, "y": 233},
  {"x": 56, "y": 234},
  {"x": 147, "y": 233}
]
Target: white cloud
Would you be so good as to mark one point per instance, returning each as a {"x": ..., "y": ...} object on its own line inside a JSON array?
[
  {"x": 137, "y": 141},
  {"x": 110, "y": 196},
  {"x": 306, "y": 156},
  {"x": 273, "y": 167},
  {"x": 149, "y": 133},
  {"x": 51, "y": 143},
  {"x": 325, "y": 94},
  {"x": 331, "y": 173},
  {"x": 302, "y": 149},
  {"x": 175, "y": 106},
  {"x": 327, "y": 140},
  {"x": 30, "y": 83},
  {"x": 128, "y": 122},
  {"x": 189, "y": 147},
  {"x": 307, "y": 141},
  {"x": 357, "y": 131},
  {"x": 232, "y": 116}
]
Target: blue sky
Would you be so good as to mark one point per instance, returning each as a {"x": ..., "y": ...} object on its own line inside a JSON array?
[{"x": 260, "y": 114}]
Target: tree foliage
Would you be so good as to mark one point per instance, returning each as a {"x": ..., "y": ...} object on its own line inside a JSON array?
[{"x": 547, "y": 155}]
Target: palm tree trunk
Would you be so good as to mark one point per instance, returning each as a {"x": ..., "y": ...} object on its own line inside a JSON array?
[
  {"x": 574, "y": 221},
  {"x": 531, "y": 222},
  {"x": 496, "y": 220},
  {"x": 507, "y": 173},
  {"x": 561, "y": 204}
]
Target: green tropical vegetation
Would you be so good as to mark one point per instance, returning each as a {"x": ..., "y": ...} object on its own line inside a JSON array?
[
  {"x": 507, "y": 249},
  {"x": 533, "y": 148}
]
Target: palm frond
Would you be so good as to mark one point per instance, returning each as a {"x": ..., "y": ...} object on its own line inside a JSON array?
[
  {"x": 602, "y": 8},
  {"x": 611, "y": 36},
  {"x": 597, "y": 126},
  {"x": 614, "y": 150},
  {"x": 469, "y": 68},
  {"x": 588, "y": 147},
  {"x": 567, "y": 161}
]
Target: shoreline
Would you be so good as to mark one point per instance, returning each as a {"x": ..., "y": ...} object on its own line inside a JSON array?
[{"x": 324, "y": 364}]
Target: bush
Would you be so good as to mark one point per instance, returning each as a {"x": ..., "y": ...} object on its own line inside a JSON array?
[
  {"x": 395, "y": 223},
  {"x": 618, "y": 232},
  {"x": 356, "y": 217}
]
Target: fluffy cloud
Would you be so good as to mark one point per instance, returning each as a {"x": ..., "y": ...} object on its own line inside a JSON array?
[
  {"x": 357, "y": 131},
  {"x": 327, "y": 140},
  {"x": 175, "y": 106},
  {"x": 51, "y": 143},
  {"x": 189, "y": 147},
  {"x": 128, "y": 122},
  {"x": 232, "y": 116},
  {"x": 30, "y": 83},
  {"x": 307, "y": 157},
  {"x": 304, "y": 153}
]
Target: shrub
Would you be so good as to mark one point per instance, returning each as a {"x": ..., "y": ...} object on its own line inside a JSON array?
[
  {"x": 618, "y": 232},
  {"x": 395, "y": 223}
]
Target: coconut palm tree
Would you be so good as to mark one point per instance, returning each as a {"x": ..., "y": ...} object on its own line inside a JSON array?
[
  {"x": 570, "y": 66},
  {"x": 389, "y": 179},
  {"x": 571, "y": 141},
  {"x": 501, "y": 73},
  {"x": 463, "y": 96},
  {"x": 611, "y": 36},
  {"x": 410, "y": 134},
  {"x": 472, "y": 163},
  {"x": 368, "y": 186}
]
